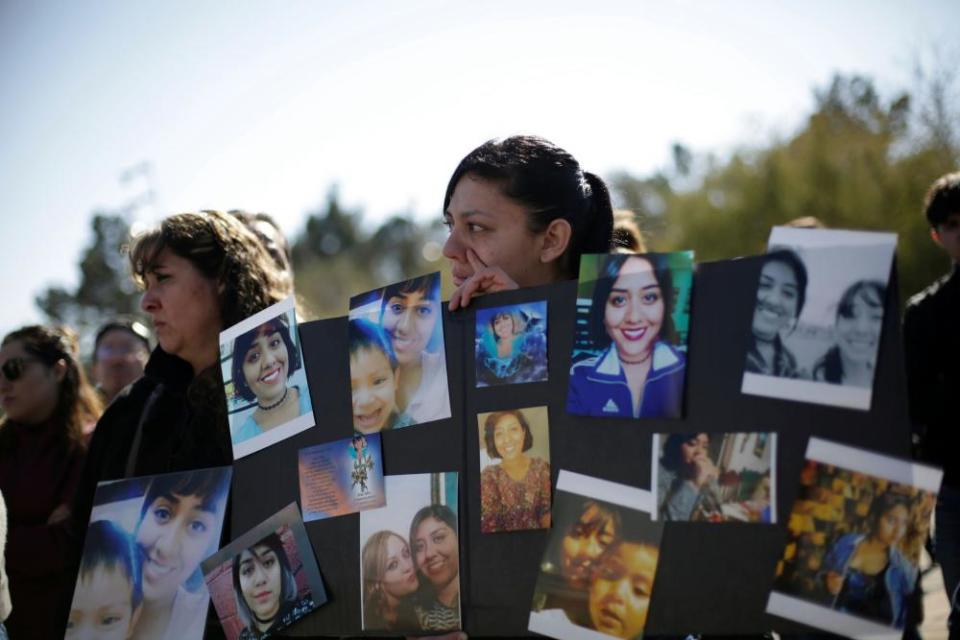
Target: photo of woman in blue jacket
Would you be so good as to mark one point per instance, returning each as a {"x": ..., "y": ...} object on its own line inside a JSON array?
[
  {"x": 639, "y": 372},
  {"x": 866, "y": 573}
]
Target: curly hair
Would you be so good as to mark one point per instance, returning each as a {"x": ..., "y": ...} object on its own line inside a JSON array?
[
  {"x": 78, "y": 403},
  {"x": 224, "y": 250}
]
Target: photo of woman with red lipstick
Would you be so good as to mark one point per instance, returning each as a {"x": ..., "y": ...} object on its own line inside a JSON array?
[
  {"x": 389, "y": 583},
  {"x": 635, "y": 360},
  {"x": 267, "y": 389}
]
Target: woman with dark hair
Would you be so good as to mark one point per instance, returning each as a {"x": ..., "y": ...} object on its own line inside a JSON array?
[
  {"x": 685, "y": 477},
  {"x": 436, "y": 550},
  {"x": 852, "y": 359},
  {"x": 865, "y": 572},
  {"x": 265, "y": 589},
  {"x": 410, "y": 314},
  {"x": 639, "y": 373},
  {"x": 781, "y": 292},
  {"x": 201, "y": 272},
  {"x": 263, "y": 361},
  {"x": 521, "y": 211},
  {"x": 389, "y": 583},
  {"x": 180, "y": 522},
  {"x": 512, "y": 350},
  {"x": 48, "y": 404},
  {"x": 514, "y": 494}
]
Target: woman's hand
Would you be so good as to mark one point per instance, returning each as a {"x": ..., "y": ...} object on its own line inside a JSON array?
[
  {"x": 834, "y": 582},
  {"x": 484, "y": 280},
  {"x": 704, "y": 470}
]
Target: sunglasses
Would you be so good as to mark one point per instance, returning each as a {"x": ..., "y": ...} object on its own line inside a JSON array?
[{"x": 13, "y": 368}]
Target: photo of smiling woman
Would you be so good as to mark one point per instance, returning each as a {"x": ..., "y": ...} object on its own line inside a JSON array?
[
  {"x": 511, "y": 344},
  {"x": 267, "y": 392},
  {"x": 781, "y": 293},
  {"x": 175, "y": 520},
  {"x": 412, "y": 584},
  {"x": 853, "y": 358},
  {"x": 409, "y": 313},
  {"x": 514, "y": 493},
  {"x": 629, "y": 360}
]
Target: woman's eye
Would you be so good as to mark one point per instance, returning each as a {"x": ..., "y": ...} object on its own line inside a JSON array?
[
  {"x": 392, "y": 565},
  {"x": 448, "y": 223},
  {"x": 618, "y": 300},
  {"x": 253, "y": 356},
  {"x": 246, "y": 571},
  {"x": 275, "y": 343},
  {"x": 161, "y": 514},
  {"x": 439, "y": 537},
  {"x": 475, "y": 228},
  {"x": 651, "y": 297},
  {"x": 269, "y": 562}
]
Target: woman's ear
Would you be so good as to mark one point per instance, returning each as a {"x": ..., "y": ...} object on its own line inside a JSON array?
[{"x": 556, "y": 239}]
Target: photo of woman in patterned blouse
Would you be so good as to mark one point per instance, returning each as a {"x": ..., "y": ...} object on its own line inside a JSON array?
[{"x": 515, "y": 493}]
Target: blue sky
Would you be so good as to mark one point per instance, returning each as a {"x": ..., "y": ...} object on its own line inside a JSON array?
[{"x": 263, "y": 106}]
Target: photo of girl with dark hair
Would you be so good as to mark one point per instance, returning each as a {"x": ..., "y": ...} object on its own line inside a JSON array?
[{"x": 511, "y": 344}]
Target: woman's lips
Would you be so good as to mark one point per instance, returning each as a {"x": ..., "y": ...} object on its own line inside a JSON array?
[
  {"x": 272, "y": 376},
  {"x": 634, "y": 334},
  {"x": 154, "y": 570},
  {"x": 263, "y": 596}
]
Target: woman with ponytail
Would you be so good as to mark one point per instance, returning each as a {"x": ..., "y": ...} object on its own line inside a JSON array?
[
  {"x": 520, "y": 212},
  {"x": 48, "y": 406}
]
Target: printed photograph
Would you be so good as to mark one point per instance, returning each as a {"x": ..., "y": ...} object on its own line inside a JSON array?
[
  {"x": 265, "y": 580},
  {"x": 398, "y": 364},
  {"x": 855, "y": 534},
  {"x": 715, "y": 477},
  {"x": 511, "y": 344},
  {"x": 598, "y": 569},
  {"x": 266, "y": 384},
  {"x": 630, "y": 341},
  {"x": 514, "y": 470},
  {"x": 140, "y": 569},
  {"x": 817, "y": 322},
  {"x": 341, "y": 477},
  {"x": 410, "y": 557}
]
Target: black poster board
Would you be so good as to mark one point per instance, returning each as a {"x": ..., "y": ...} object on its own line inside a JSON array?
[{"x": 712, "y": 578}]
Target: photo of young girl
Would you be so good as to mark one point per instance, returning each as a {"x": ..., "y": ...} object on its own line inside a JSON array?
[{"x": 511, "y": 344}]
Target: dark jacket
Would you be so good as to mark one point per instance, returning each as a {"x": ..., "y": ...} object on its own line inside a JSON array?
[
  {"x": 931, "y": 342},
  {"x": 167, "y": 421}
]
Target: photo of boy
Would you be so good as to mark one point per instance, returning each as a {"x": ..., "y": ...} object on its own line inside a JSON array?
[
  {"x": 373, "y": 379},
  {"x": 106, "y": 603}
]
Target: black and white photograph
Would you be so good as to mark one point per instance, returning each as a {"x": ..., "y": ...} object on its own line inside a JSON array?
[
  {"x": 817, "y": 324},
  {"x": 264, "y": 378}
]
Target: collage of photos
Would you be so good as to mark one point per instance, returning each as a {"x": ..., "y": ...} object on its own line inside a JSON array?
[
  {"x": 268, "y": 399},
  {"x": 340, "y": 477},
  {"x": 140, "y": 569},
  {"x": 398, "y": 362},
  {"x": 511, "y": 344},
  {"x": 855, "y": 535},
  {"x": 630, "y": 342},
  {"x": 266, "y": 579},
  {"x": 598, "y": 569},
  {"x": 715, "y": 477},
  {"x": 410, "y": 556},
  {"x": 817, "y": 323},
  {"x": 514, "y": 470}
]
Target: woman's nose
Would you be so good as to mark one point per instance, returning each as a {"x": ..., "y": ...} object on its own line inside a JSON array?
[
  {"x": 453, "y": 248},
  {"x": 259, "y": 575},
  {"x": 168, "y": 542},
  {"x": 635, "y": 311},
  {"x": 149, "y": 301}
]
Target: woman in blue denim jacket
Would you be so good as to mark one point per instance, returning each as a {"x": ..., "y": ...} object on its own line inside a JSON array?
[
  {"x": 639, "y": 373},
  {"x": 866, "y": 573}
]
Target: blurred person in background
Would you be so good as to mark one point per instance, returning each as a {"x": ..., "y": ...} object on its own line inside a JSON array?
[
  {"x": 48, "y": 405},
  {"x": 120, "y": 352},
  {"x": 5, "y": 604},
  {"x": 627, "y": 237},
  {"x": 931, "y": 343}
]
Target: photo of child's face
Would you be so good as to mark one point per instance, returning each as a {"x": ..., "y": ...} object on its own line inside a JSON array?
[
  {"x": 583, "y": 544},
  {"x": 621, "y": 589},
  {"x": 260, "y": 574},
  {"x": 102, "y": 606},
  {"x": 373, "y": 383},
  {"x": 176, "y": 533}
]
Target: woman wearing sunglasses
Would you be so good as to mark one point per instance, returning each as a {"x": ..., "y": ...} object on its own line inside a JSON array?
[{"x": 48, "y": 405}]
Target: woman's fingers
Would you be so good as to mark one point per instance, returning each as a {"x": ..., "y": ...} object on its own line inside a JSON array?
[{"x": 485, "y": 280}]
